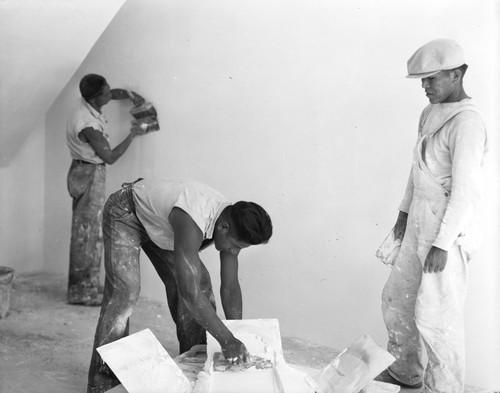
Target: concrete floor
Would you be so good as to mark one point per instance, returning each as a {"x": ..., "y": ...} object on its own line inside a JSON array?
[{"x": 45, "y": 344}]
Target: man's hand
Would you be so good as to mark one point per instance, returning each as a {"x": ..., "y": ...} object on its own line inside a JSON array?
[
  {"x": 136, "y": 99},
  {"x": 400, "y": 226},
  {"x": 122, "y": 94},
  {"x": 138, "y": 129},
  {"x": 236, "y": 352},
  {"x": 436, "y": 260},
  {"x": 188, "y": 238}
]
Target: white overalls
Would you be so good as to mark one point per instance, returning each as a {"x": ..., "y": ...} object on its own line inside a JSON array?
[{"x": 427, "y": 308}]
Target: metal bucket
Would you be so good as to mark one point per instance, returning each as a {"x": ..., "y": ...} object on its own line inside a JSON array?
[{"x": 6, "y": 277}]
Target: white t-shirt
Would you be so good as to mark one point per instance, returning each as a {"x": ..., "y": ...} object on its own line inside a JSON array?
[
  {"x": 154, "y": 200},
  {"x": 83, "y": 117}
]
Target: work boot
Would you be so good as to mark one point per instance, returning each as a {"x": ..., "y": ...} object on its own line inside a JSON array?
[{"x": 384, "y": 376}]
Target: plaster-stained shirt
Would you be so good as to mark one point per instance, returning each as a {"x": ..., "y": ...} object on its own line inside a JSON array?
[
  {"x": 454, "y": 154},
  {"x": 155, "y": 199},
  {"x": 83, "y": 117}
]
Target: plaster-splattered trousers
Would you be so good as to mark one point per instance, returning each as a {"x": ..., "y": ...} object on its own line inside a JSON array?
[
  {"x": 124, "y": 236},
  {"x": 426, "y": 308},
  {"x": 86, "y": 185}
]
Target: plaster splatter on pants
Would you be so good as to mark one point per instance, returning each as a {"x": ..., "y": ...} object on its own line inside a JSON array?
[
  {"x": 189, "y": 332},
  {"x": 124, "y": 236},
  {"x": 423, "y": 312},
  {"x": 86, "y": 185}
]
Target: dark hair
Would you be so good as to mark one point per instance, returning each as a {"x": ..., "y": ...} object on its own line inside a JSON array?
[
  {"x": 92, "y": 85},
  {"x": 253, "y": 224}
]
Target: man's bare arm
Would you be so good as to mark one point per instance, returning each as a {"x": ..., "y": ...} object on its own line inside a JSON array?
[
  {"x": 122, "y": 94},
  {"x": 187, "y": 240},
  {"x": 101, "y": 146},
  {"x": 230, "y": 290}
]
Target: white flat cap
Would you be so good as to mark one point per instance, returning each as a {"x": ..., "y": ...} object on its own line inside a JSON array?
[{"x": 435, "y": 56}]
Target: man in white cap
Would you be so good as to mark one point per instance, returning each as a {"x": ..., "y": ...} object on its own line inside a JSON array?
[{"x": 423, "y": 299}]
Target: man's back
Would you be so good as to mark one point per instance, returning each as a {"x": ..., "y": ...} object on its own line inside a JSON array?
[{"x": 154, "y": 200}]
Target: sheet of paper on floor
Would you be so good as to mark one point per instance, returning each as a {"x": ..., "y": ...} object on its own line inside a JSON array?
[
  {"x": 143, "y": 365},
  {"x": 354, "y": 367}
]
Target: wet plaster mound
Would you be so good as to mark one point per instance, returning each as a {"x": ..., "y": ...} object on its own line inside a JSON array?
[{"x": 269, "y": 371}]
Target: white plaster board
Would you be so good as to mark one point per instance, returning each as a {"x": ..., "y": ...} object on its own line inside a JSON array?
[
  {"x": 117, "y": 389},
  {"x": 249, "y": 381},
  {"x": 354, "y": 367},
  {"x": 295, "y": 381},
  {"x": 261, "y": 337},
  {"x": 380, "y": 387},
  {"x": 142, "y": 365}
]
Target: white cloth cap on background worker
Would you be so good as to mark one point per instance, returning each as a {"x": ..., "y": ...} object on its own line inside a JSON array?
[{"x": 435, "y": 56}]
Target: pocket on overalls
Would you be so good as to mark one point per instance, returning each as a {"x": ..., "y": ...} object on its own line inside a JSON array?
[
  {"x": 429, "y": 224},
  {"x": 118, "y": 207},
  {"x": 123, "y": 208},
  {"x": 437, "y": 209},
  {"x": 79, "y": 179}
]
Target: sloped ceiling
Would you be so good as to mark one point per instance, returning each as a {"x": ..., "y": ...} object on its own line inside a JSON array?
[{"x": 42, "y": 43}]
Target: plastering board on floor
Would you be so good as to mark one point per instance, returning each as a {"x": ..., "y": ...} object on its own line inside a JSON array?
[
  {"x": 262, "y": 339},
  {"x": 354, "y": 367},
  {"x": 380, "y": 387},
  {"x": 117, "y": 389},
  {"x": 142, "y": 365}
]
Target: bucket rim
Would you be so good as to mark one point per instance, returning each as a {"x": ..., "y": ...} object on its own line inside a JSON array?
[{"x": 6, "y": 274}]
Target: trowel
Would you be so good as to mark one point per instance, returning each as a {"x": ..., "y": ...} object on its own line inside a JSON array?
[
  {"x": 221, "y": 364},
  {"x": 145, "y": 116}
]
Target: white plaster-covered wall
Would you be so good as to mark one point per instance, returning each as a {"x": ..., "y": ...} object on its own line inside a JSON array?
[
  {"x": 22, "y": 185},
  {"x": 42, "y": 43},
  {"x": 302, "y": 107}
]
